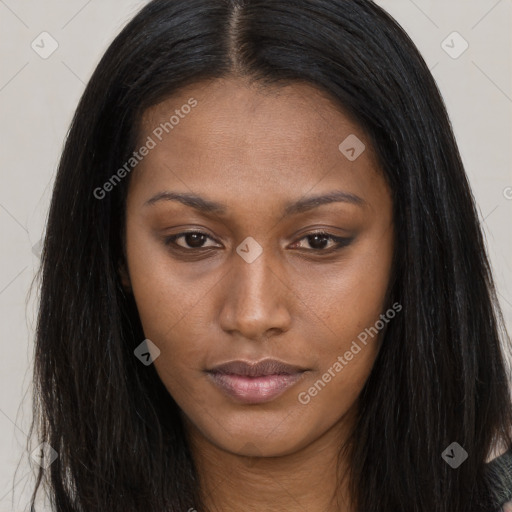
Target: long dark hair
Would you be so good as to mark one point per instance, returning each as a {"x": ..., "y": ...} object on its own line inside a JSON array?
[{"x": 440, "y": 376}]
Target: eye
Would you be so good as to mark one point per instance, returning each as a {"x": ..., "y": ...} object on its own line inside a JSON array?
[
  {"x": 192, "y": 240},
  {"x": 318, "y": 241}
]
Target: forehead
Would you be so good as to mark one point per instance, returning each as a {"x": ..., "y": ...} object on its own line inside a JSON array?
[
  {"x": 234, "y": 110},
  {"x": 226, "y": 99},
  {"x": 248, "y": 138}
]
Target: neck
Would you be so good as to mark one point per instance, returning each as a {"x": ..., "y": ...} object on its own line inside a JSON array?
[{"x": 305, "y": 479}]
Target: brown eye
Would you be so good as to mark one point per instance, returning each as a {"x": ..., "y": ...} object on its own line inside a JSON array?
[
  {"x": 192, "y": 240},
  {"x": 319, "y": 241}
]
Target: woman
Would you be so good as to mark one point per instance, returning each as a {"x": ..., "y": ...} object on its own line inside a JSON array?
[{"x": 264, "y": 283}]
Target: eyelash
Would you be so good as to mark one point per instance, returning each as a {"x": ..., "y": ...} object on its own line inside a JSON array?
[{"x": 340, "y": 241}]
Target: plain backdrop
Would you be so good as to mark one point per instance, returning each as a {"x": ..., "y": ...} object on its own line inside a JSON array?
[{"x": 38, "y": 97}]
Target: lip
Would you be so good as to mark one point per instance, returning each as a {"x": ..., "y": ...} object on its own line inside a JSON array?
[{"x": 258, "y": 382}]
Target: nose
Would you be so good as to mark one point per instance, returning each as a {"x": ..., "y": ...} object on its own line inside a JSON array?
[{"x": 256, "y": 299}]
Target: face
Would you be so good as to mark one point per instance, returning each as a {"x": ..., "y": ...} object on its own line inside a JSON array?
[{"x": 229, "y": 257}]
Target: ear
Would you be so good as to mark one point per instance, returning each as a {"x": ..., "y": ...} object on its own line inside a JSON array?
[{"x": 125, "y": 277}]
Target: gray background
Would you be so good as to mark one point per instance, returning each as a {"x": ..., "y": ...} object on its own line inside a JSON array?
[{"x": 38, "y": 96}]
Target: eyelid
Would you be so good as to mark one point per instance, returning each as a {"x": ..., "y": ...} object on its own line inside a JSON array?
[
  {"x": 169, "y": 240},
  {"x": 339, "y": 241}
]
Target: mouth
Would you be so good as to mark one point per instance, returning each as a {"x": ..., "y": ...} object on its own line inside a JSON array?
[{"x": 253, "y": 383}]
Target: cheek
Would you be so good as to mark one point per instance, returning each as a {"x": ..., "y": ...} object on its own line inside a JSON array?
[
  {"x": 346, "y": 353},
  {"x": 350, "y": 296},
  {"x": 350, "y": 315},
  {"x": 330, "y": 395},
  {"x": 172, "y": 311},
  {"x": 165, "y": 297}
]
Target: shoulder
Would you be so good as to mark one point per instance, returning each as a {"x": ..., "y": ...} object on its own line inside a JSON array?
[{"x": 499, "y": 475}]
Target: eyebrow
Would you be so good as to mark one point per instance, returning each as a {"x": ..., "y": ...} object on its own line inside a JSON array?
[
  {"x": 302, "y": 205},
  {"x": 336, "y": 196},
  {"x": 192, "y": 200}
]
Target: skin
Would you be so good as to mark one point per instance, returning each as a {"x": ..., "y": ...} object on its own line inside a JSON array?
[{"x": 257, "y": 150}]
